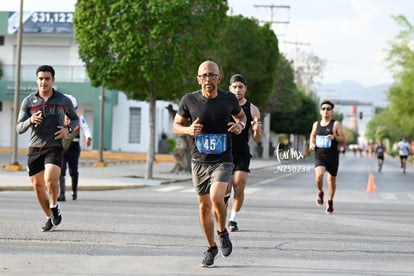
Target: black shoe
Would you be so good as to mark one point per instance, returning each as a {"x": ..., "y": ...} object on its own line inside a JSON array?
[
  {"x": 61, "y": 198},
  {"x": 226, "y": 199},
  {"x": 48, "y": 225},
  {"x": 233, "y": 226},
  {"x": 225, "y": 243},
  {"x": 329, "y": 207},
  {"x": 209, "y": 256},
  {"x": 56, "y": 216},
  {"x": 319, "y": 198},
  {"x": 74, "y": 196}
]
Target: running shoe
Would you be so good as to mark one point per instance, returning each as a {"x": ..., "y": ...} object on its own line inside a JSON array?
[
  {"x": 209, "y": 256},
  {"x": 233, "y": 226},
  {"x": 225, "y": 243},
  {"x": 48, "y": 225},
  {"x": 319, "y": 198},
  {"x": 329, "y": 207},
  {"x": 56, "y": 215}
]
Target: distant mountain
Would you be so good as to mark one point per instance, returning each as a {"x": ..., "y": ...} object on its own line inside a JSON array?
[{"x": 350, "y": 90}]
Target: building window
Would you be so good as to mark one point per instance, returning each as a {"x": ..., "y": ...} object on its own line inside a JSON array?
[{"x": 135, "y": 125}]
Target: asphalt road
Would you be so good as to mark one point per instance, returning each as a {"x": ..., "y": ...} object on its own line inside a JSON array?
[{"x": 155, "y": 230}]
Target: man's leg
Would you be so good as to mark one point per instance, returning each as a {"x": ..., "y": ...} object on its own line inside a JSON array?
[
  {"x": 319, "y": 173},
  {"x": 331, "y": 193},
  {"x": 404, "y": 163},
  {"x": 217, "y": 190},
  {"x": 331, "y": 186},
  {"x": 62, "y": 185},
  {"x": 73, "y": 162},
  {"x": 240, "y": 179},
  {"x": 40, "y": 192},
  {"x": 228, "y": 192},
  {"x": 206, "y": 218},
  {"x": 51, "y": 175},
  {"x": 62, "y": 182},
  {"x": 239, "y": 184}
]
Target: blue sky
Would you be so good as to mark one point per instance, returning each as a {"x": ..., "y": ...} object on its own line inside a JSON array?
[{"x": 351, "y": 35}]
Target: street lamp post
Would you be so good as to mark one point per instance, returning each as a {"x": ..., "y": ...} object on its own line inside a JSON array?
[{"x": 14, "y": 164}]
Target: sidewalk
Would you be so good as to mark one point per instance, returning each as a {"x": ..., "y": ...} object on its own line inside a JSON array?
[{"x": 118, "y": 174}]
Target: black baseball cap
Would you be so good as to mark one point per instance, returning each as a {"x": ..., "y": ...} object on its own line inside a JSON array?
[{"x": 238, "y": 77}]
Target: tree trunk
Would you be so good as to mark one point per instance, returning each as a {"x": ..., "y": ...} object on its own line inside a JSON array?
[
  {"x": 182, "y": 155},
  {"x": 182, "y": 151},
  {"x": 151, "y": 141}
]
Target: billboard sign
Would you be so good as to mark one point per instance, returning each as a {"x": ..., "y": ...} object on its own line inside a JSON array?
[{"x": 42, "y": 22}]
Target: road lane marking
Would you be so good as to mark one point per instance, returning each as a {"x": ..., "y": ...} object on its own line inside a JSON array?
[
  {"x": 169, "y": 189},
  {"x": 280, "y": 176},
  {"x": 388, "y": 196},
  {"x": 251, "y": 190}
]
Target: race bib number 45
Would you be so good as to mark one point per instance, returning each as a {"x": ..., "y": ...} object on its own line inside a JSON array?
[
  {"x": 211, "y": 143},
  {"x": 322, "y": 142}
]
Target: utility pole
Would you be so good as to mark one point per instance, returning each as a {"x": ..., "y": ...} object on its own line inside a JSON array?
[
  {"x": 297, "y": 44},
  {"x": 301, "y": 71},
  {"x": 14, "y": 164},
  {"x": 325, "y": 93},
  {"x": 273, "y": 7}
]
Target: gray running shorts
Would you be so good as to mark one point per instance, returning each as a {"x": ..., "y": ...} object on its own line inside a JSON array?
[{"x": 205, "y": 174}]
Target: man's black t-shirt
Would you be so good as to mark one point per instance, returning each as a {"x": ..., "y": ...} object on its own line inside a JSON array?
[{"x": 215, "y": 114}]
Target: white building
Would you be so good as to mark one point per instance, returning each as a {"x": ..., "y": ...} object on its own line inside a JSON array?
[{"x": 49, "y": 41}]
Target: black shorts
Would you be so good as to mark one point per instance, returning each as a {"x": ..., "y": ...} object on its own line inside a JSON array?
[
  {"x": 402, "y": 157},
  {"x": 241, "y": 163},
  {"x": 331, "y": 163},
  {"x": 38, "y": 157}
]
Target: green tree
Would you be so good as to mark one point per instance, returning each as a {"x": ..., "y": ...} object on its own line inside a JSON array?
[
  {"x": 292, "y": 111},
  {"x": 400, "y": 60},
  {"x": 385, "y": 125},
  {"x": 251, "y": 50},
  {"x": 309, "y": 68},
  {"x": 285, "y": 96},
  {"x": 351, "y": 136},
  {"x": 147, "y": 49},
  {"x": 299, "y": 120}
]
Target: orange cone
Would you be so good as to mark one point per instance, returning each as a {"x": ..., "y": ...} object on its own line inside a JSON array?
[{"x": 370, "y": 186}]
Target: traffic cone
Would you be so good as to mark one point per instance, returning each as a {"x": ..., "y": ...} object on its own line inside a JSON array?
[{"x": 370, "y": 186}]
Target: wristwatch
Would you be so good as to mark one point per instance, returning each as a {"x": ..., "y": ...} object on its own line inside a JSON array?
[
  {"x": 70, "y": 129},
  {"x": 243, "y": 125}
]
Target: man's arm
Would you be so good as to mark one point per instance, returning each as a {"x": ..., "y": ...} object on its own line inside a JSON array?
[
  {"x": 339, "y": 134},
  {"x": 256, "y": 125},
  {"x": 180, "y": 128},
  {"x": 24, "y": 120},
  {"x": 240, "y": 124},
  {"x": 312, "y": 136},
  {"x": 86, "y": 131}
]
